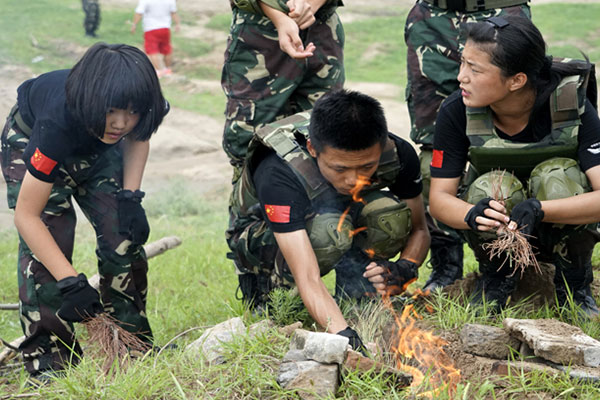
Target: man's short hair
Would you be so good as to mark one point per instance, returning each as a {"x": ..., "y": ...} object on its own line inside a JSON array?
[
  {"x": 114, "y": 76},
  {"x": 347, "y": 120}
]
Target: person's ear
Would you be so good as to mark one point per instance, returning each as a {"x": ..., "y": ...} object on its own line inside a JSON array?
[
  {"x": 311, "y": 149},
  {"x": 517, "y": 81}
]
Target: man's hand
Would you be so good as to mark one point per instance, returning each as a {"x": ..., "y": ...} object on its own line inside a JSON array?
[
  {"x": 301, "y": 12},
  {"x": 390, "y": 278},
  {"x": 526, "y": 216},
  {"x": 80, "y": 300},
  {"x": 354, "y": 340},
  {"x": 289, "y": 40},
  {"x": 132, "y": 217},
  {"x": 486, "y": 215}
]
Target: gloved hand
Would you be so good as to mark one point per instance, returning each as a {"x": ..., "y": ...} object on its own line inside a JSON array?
[
  {"x": 132, "y": 217},
  {"x": 398, "y": 274},
  {"x": 355, "y": 341},
  {"x": 527, "y": 214},
  {"x": 80, "y": 300},
  {"x": 477, "y": 211}
]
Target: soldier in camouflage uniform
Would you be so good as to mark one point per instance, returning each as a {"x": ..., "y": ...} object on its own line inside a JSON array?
[
  {"x": 310, "y": 199},
  {"x": 48, "y": 157},
  {"x": 534, "y": 117},
  {"x": 434, "y": 46},
  {"x": 91, "y": 21},
  {"x": 262, "y": 82}
]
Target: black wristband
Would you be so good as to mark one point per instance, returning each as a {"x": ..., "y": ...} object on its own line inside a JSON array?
[{"x": 125, "y": 194}]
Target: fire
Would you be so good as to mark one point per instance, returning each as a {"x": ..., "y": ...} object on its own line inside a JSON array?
[
  {"x": 424, "y": 349},
  {"x": 361, "y": 182}
]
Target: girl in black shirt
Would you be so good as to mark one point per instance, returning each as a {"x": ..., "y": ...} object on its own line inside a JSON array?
[{"x": 81, "y": 133}]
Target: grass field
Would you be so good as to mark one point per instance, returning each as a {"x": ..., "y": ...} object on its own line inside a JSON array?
[{"x": 195, "y": 284}]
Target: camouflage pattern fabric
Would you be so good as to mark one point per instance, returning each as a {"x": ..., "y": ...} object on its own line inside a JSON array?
[
  {"x": 93, "y": 181},
  {"x": 433, "y": 57},
  {"x": 263, "y": 84},
  {"x": 91, "y": 21},
  {"x": 568, "y": 247}
]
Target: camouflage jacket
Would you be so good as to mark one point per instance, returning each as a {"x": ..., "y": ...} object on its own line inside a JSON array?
[
  {"x": 487, "y": 150},
  {"x": 283, "y": 137},
  {"x": 253, "y": 6}
]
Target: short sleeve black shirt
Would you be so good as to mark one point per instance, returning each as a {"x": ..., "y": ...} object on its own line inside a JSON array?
[
  {"x": 451, "y": 144},
  {"x": 55, "y": 134},
  {"x": 277, "y": 185}
]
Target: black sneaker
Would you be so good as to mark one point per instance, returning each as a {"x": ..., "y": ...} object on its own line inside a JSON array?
[{"x": 446, "y": 267}]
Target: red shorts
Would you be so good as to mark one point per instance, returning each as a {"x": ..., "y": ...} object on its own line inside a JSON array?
[{"x": 158, "y": 41}]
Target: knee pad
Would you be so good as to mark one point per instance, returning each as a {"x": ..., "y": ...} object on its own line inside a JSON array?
[
  {"x": 327, "y": 242},
  {"x": 496, "y": 184},
  {"x": 557, "y": 178},
  {"x": 425, "y": 158},
  {"x": 388, "y": 224}
]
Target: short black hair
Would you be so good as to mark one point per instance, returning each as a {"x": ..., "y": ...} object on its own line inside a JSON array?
[
  {"x": 115, "y": 76},
  {"x": 347, "y": 120}
]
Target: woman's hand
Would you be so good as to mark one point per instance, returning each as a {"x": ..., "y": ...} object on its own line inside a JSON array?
[{"x": 486, "y": 215}]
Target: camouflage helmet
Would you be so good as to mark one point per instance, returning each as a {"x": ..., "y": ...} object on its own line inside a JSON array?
[
  {"x": 557, "y": 178},
  {"x": 497, "y": 184},
  {"x": 387, "y": 222},
  {"x": 327, "y": 242}
]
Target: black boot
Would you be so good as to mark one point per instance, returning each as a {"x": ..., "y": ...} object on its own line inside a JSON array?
[
  {"x": 446, "y": 266},
  {"x": 494, "y": 287},
  {"x": 255, "y": 290},
  {"x": 582, "y": 297}
]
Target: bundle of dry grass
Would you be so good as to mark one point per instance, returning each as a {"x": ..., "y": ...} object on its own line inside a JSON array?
[
  {"x": 513, "y": 243},
  {"x": 109, "y": 341}
]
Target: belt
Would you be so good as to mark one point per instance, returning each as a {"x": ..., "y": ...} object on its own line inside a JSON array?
[
  {"x": 16, "y": 115},
  {"x": 474, "y": 5}
]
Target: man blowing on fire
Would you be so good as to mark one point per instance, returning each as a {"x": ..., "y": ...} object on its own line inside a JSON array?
[{"x": 313, "y": 196}]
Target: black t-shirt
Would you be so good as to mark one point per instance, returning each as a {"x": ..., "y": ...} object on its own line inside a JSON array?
[
  {"x": 451, "y": 144},
  {"x": 55, "y": 134},
  {"x": 282, "y": 195}
]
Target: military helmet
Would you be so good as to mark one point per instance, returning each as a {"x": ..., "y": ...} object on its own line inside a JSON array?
[
  {"x": 497, "y": 185},
  {"x": 327, "y": 242},
  {"x": 387, "y": 222},
  {"x": 557, "y": 178}
]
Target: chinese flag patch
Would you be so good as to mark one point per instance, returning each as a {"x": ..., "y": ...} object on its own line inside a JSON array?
[
  {"x": 41, "y": 162},
  {"x": 279, "y": 214},
  {"x": 438, "y": 158}
]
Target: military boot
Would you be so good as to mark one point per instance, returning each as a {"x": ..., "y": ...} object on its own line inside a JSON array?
[
  {"x": 255, "y": 290},
  {"x": 446, "y": 266},
  {"x": 582, "y": 297},
  {"x": 495, "y": 287}
]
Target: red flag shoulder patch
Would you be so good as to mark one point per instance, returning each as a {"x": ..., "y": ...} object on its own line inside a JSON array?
[
  {"x": 278, "y": 214},
  {"x": 438, "y": 158},
  {"x": 42, "y": 163}
]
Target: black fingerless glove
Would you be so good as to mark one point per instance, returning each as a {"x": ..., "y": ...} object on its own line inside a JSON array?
[
  {"x": 132, "y": 217},
  {"x": 354, "y": 340},
  {"x": 80, "y": 300},
  {"x": 527, "y": 214},
  {"x": 398, "y": 274},
  {"x": 477, "y": 211}
]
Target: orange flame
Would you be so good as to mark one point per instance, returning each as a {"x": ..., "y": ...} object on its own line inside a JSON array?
[
  {"x": 370, "y": 252},
  {"x": 423, "y": 349},
  {"x": 357, "y": 230},
  {"x": 361, "y": 182},
  {"x": 342, "y": 217}
]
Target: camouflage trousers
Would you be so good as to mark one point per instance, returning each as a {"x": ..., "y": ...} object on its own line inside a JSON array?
[
  {"x": 264, "y": 84},
  {"x": 93, "y": 181},
  {"x": 434, "y": 46},
  {"x": 91, "y": 21}
]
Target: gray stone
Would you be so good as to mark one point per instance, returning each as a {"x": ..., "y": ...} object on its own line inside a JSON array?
[
  {"x": 288, "y": 330},
  {"x": 260, "y": 327},
  {"x": 506, "y": 368},
  {"x": 487, "y": 341},
  {"x": 584, "y": 374},
  {"x": 556, "y": 341},
  {"x": 298, "y": 339},
  {"x": 294, "y": 355},
  {"x": 312, "y": 379},
  {"x": 326, "y": 347},
  {"x": 210, "y": 343}
]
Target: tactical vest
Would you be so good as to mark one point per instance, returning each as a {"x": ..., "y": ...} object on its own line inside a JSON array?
[
  {"x": 488, "y": 151},
  {"x": 283, "y": 137}
]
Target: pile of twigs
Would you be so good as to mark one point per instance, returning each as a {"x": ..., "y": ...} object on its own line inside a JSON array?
[
  {"x": 109, "y": 342},
  {"x": 513, "y": 243}
]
